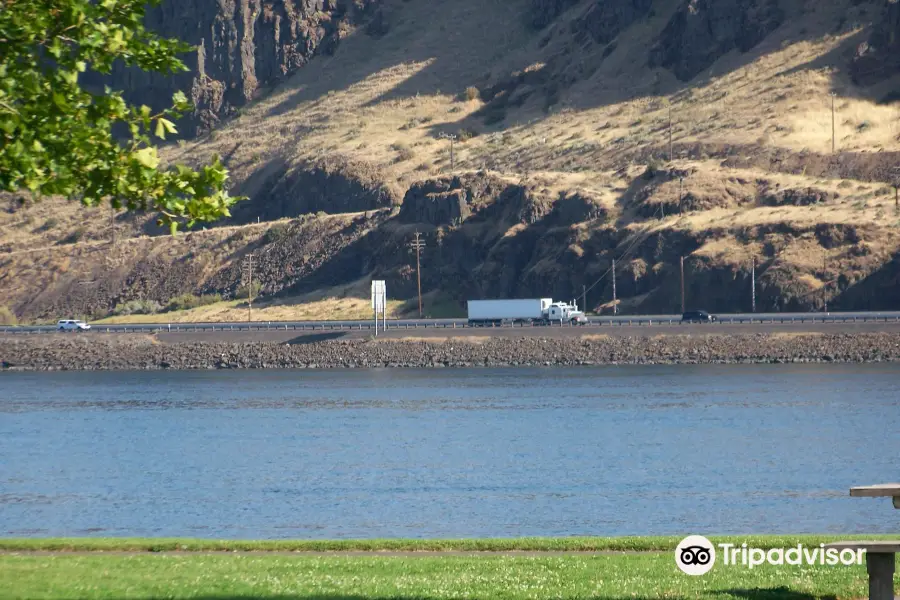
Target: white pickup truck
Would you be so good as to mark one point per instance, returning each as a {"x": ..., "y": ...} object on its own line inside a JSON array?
[{"x": 72, "y": 325}]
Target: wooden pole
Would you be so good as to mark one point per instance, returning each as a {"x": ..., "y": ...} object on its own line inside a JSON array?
[
  {"x": 419, "y": 276},
  {"x": 583, "y": 297},
  {"x": 682, "y": 285},
  {"x": 671, "y": 153},
  {"x": 417, "y": 245},
  {"x": 753, "y": 286},
  {"x": 615, "y": 303},
  {"x": 833, "y": 127},
  {"x": 250, "y": 292}
]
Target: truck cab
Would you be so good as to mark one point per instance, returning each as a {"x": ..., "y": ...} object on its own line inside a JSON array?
[{"x": 564, "y": 313}]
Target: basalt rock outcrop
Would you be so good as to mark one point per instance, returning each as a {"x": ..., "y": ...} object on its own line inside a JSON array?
[
  {"x": 332, "y": 185},
  {"x": 879, "y": 57},
  {"x": 449, "y": 200},
  {"x": 240, "y": 47},
  {"x": 701, "y": 31}
]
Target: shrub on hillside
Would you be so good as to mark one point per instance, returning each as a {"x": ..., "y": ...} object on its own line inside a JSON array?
[
  {"x": 403, "y": 151},
  {"x": 245, "y": 292},
  {"x": 189, "y": 301},
  {"x": 74, "y": 237},
  {"x": 7, "y": 317},
  {"x": 137, "y": 307},
  {"x": 276, "y": 233},
  {"x": 49, "y": 224},
  {"x": 472, "y": 93},
  {"x": 466, "y": 134}
]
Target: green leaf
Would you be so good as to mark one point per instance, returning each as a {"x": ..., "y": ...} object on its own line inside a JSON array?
[
  {"x": 173, "y": 227},
  {"x": 58, "y": 138},
  {"x": 169, "y": 125},
  {"x": 147, "y": 157}
]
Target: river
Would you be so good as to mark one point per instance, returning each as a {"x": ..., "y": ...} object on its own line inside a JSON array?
[{"x": 449, "y": 453}]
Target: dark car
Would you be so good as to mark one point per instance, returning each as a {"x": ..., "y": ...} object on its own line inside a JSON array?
[{"x": 697, "y": 316}]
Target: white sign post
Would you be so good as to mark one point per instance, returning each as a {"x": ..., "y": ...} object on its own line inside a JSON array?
[{"x": 379, "y": 302}]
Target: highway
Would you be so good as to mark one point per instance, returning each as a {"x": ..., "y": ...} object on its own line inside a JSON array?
[{"x": 771, "y": 320}]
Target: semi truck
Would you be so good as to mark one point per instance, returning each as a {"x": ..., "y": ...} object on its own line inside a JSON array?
[{"x": 530, "y": 310}]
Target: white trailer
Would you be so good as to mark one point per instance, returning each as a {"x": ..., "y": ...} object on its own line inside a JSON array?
[{"x": 499, "y": 311}]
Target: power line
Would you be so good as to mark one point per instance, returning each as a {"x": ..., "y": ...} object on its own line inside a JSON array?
[{"x": 623, "y": 256}]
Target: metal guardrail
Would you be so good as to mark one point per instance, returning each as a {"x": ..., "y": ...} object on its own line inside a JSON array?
[{"x": 637, "y": 321}]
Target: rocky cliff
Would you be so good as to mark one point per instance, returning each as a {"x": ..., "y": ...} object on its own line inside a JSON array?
[
  {"x": 703, "y": 30},
  {"x": 879, "y": 57},
  {"x": 241, "y": 47}
]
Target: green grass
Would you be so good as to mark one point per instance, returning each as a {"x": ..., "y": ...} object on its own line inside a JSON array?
[
  {"x": 221, "y": 576},
  {"x": 644, "y": 543}
]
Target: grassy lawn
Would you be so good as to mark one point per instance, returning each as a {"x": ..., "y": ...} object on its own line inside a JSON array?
[
  {"x": 143, "y": 573},
  {"x": 652, "y": 575}
]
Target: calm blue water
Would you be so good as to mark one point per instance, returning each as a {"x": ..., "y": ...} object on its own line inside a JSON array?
[{"x": 449, "y": 453}]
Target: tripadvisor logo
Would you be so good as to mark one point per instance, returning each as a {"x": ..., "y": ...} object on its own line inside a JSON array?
[{"x": 696, "y": 555}]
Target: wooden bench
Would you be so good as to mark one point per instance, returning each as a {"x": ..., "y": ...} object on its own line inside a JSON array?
[
  {"x": 883, "y": 490},
  {"x": 881, "y": 556}
]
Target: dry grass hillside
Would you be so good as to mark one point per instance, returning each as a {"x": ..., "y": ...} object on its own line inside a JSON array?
[{"x": 571, "y": 151}]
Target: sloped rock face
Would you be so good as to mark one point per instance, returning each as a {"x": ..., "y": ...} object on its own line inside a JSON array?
[
  {"x": 449, "y": 200},
  {"x": 701, "y": 31},
  {"x": 544, "y": 11},
  {"x": 879, "y": 58},
  {"x": 240, "y": 47},
  {"x": 605, "y": 20},
  {"x": 331, "y": 185}
]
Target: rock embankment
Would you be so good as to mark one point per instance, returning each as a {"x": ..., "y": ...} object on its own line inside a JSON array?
[{"x": 145, "y": 352}]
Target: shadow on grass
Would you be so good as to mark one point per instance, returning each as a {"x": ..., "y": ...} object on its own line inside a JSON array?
[{"x": 777, "y": 593}]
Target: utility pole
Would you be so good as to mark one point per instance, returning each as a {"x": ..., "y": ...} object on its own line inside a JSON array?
[
  {"x": 680, "y": 193},
  {"x": 825, "y": 283},
  {"x": 452, "y": 137},
  {"x": 671, "y": 154},
  {"x": 753, "y": 286},
  {"x": 417, "y": 244},
  {"x": 250, "y": 291},
  {"x": 682, "y": 285},
  {"x": 615, "y": 303},
  {"x": 896, "y": 184},
  {"x": 833, "y": 127},
  {"x": 583, "y": 298}
]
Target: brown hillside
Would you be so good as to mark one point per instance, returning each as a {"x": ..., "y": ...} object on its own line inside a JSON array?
[{"x": 635, "y": 130}]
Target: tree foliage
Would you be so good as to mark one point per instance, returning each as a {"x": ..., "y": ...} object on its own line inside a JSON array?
[{"x": 57, "y": 138}]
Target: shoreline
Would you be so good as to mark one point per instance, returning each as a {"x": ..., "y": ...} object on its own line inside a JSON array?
[
  {"x": 574, "y": 544},
  {"x": 56, "y": 352}
]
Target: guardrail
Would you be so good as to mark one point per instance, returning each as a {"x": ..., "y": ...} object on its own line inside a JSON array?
[{"x": 365, "y": 326}]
